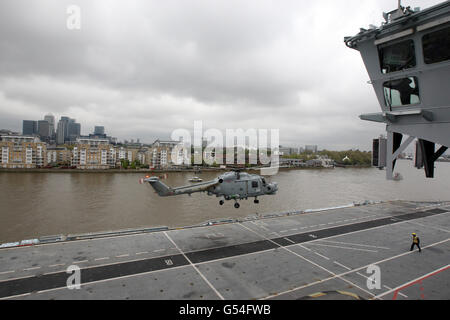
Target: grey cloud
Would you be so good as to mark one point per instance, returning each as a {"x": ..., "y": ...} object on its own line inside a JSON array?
[{"x": 144, "y": 68}]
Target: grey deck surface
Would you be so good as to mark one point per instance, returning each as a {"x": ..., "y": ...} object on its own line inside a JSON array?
[{"x": 292, "y": 257}]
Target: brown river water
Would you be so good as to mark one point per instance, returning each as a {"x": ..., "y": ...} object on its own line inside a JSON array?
[{"x": 39, "y": 204}]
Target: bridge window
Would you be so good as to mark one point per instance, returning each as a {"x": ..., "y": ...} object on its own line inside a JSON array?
[
  {"x": 436, "y": 46},
  {"x": 396, "y": 57},
  {"x": 401, "y": 92}
]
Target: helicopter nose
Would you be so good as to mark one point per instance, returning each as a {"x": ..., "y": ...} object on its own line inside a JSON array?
[{"x": 273, "y": 187}]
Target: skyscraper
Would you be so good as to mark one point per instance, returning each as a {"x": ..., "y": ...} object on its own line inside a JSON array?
[
  {"x": 44, "y": 129},
  {"x": 51, "y": 123},
  {"x": 29, "y": 127},
  {"x": 99, "y": 130},
  {"x": 74, "y": 130},
  {"x": 61, "y": 131},
  {"x": 65, "y": 133},
  {"x": 68, "y": 130}
]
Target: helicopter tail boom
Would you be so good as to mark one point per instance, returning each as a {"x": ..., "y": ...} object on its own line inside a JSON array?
[{"x": 162, "y": 189}]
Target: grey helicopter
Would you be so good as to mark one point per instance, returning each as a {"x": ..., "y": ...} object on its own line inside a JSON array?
[{"x": 235, "y": 185}]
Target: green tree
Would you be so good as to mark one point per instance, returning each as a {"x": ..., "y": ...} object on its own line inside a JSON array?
[{"x": 125, "y": 163}]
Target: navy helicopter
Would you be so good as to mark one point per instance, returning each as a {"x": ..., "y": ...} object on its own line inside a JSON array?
[{"x": 235, "y": 185}]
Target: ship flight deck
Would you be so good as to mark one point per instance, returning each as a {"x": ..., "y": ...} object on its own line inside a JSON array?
[{"x": 327, "y": 254}]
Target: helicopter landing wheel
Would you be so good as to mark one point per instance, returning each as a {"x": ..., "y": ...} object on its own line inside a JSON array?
[
  {"x": 221, "y": 202},
  {"x": 237, "y": 205},
  {"x": 256, "y": 201}
]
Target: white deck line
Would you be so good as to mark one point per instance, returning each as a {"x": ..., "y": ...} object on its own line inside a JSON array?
[
  {"x": 353, "y": 270},
  {"x": 355, "y": 244},
  {"x": 339, "y": 247},
  {"x": 412, "y": 281},
  {"x": 195, "y": 268},
  {"x": 312, "y": 262}
]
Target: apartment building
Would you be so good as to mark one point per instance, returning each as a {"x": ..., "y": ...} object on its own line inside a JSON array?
[
  {"x": 22, "y": 152},
  {"x": 88, "y": 153},
  {"x": 93, "y": 154},
  {"x": 124, "y": 153},
  {"x": 161, "y": 154},
  {"x": 160, "y": 157},
  {"x": 58, "y": 155}
]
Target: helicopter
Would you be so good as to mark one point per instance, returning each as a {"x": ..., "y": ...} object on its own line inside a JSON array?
[{"x": 234, "y": 185}]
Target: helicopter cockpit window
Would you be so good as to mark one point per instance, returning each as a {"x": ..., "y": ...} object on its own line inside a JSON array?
[
  {"x": 401, "y": 92},
  {"x": 396, "y": 57},
  {"x": 254, "y": 184},
  {"x": 263, "y": 181},
  {"x": 436, "y": 46}
]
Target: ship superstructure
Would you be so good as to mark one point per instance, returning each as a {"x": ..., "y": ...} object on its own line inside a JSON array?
[{"x": 408, "y": 62}]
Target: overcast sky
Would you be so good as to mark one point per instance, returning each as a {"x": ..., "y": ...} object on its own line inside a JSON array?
[{"x": 145, "y": 68}]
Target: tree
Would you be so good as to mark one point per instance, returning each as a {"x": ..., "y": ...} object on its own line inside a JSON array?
[{"x": 124, "y": 163}]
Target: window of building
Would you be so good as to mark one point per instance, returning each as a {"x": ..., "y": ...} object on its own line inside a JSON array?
[
  {"x": 401, "y": 92},
  {"x": 436, "y": 46},
  {"x": 396, "y": 57}
]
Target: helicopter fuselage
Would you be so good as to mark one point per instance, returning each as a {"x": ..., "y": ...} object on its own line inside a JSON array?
[{"x": 231, "y": 186}]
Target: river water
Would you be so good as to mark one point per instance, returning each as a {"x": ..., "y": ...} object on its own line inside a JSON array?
[{"x": 38, "y": 204}]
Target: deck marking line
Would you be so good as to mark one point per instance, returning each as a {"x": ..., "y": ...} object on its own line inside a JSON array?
[
  {"x": 81, "y": 261},
  {"x": 312, "y": 262},
  {"x": 5, "y": 272},
  {"x": 16, "y": 296},
  {"x": 99, "y": 281},
  {"x": 322, "y": 256},
  {"x": 289, "y": 240},
  {"x": 348, "y": 248},
  {"x": 104, "y": 258},
  {"x": 302, "y": 246},
  {"x": 349, "y": 272},
  {"x": 414, "y": 281},
  {"x": 96, "y": 266},
  {"x": 356, "y": 244},
  {"x": 433, "y": 227},
  {"x": 196, "y": 269},
  {"x": 341, "y": 265},
  {"x": 34, "y": 268}
]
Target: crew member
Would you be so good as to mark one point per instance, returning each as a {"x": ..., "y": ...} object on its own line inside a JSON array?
[{"x": 416, "y": 242}]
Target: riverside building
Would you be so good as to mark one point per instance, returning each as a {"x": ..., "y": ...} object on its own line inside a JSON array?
[
  {"x": 22, "y": 152},
  {"x": 93, "y": 154}
]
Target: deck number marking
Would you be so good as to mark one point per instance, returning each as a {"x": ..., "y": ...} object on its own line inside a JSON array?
[{"x": 168, "y": 262}]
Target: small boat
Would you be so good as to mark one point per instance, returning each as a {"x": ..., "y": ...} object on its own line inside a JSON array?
[{"x": 195, "y": 179}]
